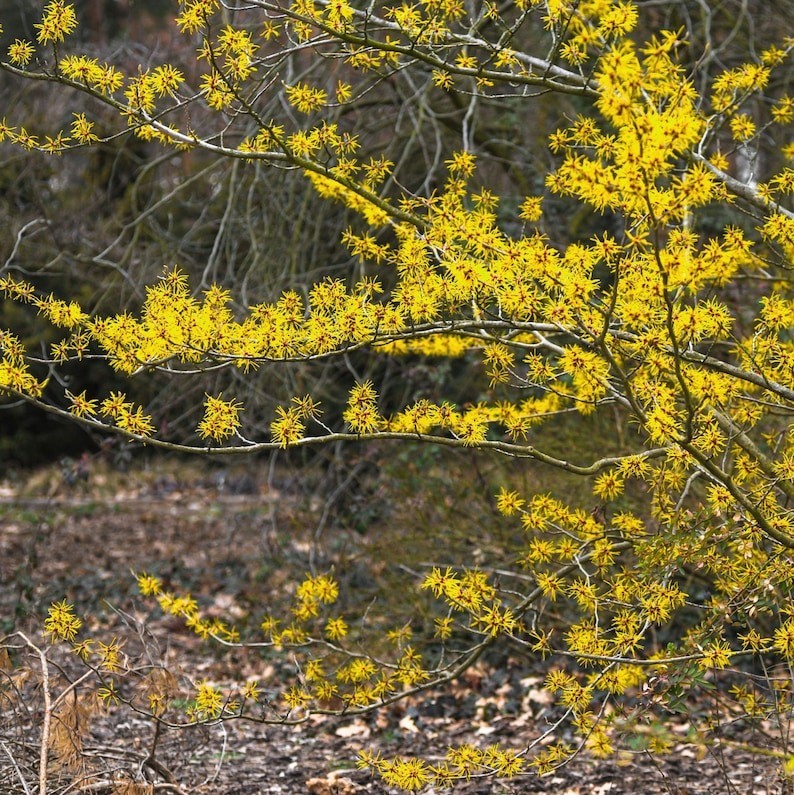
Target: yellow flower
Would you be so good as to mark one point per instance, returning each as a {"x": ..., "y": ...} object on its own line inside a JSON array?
[
  {"x": 149, "y": 585},
  {"x": 530, "y": 209},
  {"x": 784, "y": 639},
  {"x": 608, "y": 485},
  {"x": 508, "y": 502},
  {"x": 58, "y": 21},
  {"x": 221, "y": 418},
  {"x": 336, "y": 628},
  {"x": 166, "y": 79},
  {"x": 288, "y": 427},
  {"x": 82, "y": 406},
  {"x": 462, "y": 163},
  {"x": 209, "y": 700},
  {"x": 742, "y": 127},
  {"x": 61, "y": 622},
  {"x": 20, "y": 52},
  {"x": 305, "y": 97}
]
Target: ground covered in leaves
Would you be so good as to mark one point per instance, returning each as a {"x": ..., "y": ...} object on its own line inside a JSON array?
[{"x": 238, "y": 538}]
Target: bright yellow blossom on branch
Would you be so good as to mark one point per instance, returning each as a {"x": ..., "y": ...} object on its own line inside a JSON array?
[{"x": 590, "y": 217}]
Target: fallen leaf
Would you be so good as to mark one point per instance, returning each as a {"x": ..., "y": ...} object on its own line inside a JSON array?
[
  {"x": 331, "y": 785},
  {"x": 356, "y": 729}
]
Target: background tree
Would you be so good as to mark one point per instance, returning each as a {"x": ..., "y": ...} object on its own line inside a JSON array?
[{"x": 666, "y": 301}]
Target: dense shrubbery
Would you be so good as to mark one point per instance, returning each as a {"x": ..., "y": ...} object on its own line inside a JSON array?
[{"x": 664, "y": 301}]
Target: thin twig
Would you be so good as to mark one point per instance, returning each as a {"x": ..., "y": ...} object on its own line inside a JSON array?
[
  {"x": 16, "y": 767},
  {"x": 45, "y": 725}
]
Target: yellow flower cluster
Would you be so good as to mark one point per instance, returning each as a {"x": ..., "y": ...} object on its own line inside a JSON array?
[
  {"x": 221, "y": 418},
  {"x": 90, "y": 72},
  {"x": 460, "y": 764},
  {"x": 15, "y": 374},
  {"x": 57, "y": 22},
  {"x": 306, "y": 98},
  {"x": 61, "y": 622},
  {"x": 20, "y": 52},
  {"x": 195, "y": 14}
]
